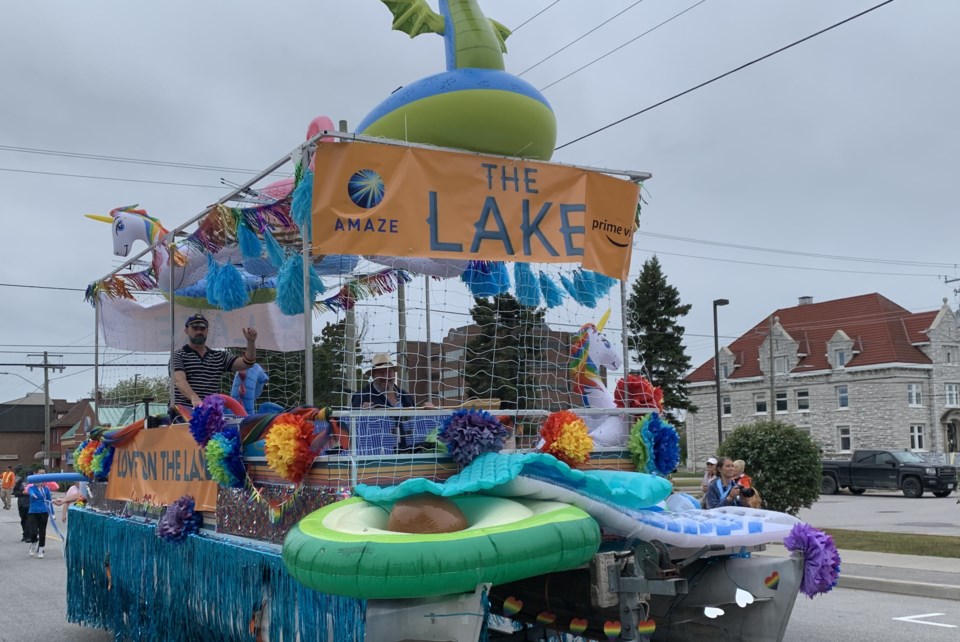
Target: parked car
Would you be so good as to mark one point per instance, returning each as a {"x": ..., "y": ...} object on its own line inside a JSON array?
[{"x": 888, "y": 469}]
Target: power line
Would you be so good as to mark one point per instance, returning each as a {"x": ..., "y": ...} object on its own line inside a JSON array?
[
  {"x": 531, "y": 18},
  {"x": 127, "y": 160},
  {"x": 573, "y": 42},
  {"x": 109, "y": 178},
  {"x": 616, "y": 49},
  {"x": 788, "y": 267},
  {"x": 834, "y": 257},
  {"x": 40, "y": 287},
  {"x": 724, "y": 75}
]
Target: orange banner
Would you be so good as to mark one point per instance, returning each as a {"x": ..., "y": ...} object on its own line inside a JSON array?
[
  {"x": 400, "y": 201},
  {"x": 159, "y": 466}
]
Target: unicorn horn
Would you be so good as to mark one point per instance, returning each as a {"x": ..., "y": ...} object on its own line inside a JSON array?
[
  {"x": 603, "y": 320},
  {"x": 100, "y": 217}
]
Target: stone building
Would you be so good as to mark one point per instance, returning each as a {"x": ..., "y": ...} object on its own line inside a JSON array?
[{"x": 859, "y": 372}]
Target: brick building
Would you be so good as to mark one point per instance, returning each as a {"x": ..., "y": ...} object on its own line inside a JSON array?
[
  {"x": 859, "y": 372},
  {"x": 22, "y": 429}
]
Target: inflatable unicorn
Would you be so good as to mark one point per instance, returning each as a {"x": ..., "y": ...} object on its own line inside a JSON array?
[{"x": 589, "y": 350}]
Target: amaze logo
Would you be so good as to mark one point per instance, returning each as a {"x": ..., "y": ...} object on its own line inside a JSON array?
[{"x": 366, "y": 189}]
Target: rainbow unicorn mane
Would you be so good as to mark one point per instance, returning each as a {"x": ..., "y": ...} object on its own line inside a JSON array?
[{"x": 583, "y": 371}]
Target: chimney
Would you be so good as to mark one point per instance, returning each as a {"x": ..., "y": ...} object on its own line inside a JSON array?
[{"x": 805, "y": 300}]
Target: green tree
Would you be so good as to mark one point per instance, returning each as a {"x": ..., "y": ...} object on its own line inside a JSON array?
[
  {"x": 782, "y": 460},
  {"x": 134, "y": 389},
  {"x": 656, "y": 336},
  {"x": 331, "y": 367},
  {"x": 498, "y": 358}
]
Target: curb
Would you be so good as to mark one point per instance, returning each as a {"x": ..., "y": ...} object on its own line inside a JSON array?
[{"x": 900, "y": 587}]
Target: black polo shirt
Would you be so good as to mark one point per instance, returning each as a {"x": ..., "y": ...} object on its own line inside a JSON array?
[{"x": 203, "y": 373}]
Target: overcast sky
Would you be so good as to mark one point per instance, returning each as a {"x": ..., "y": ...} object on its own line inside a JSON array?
[{"x": 845, "y": 145}]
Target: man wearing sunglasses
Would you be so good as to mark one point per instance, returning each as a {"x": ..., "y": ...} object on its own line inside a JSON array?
[{"x": 197, "y": 369}]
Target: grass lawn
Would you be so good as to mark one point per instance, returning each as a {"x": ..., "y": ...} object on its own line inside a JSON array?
[{"x": 902, "y": 543}]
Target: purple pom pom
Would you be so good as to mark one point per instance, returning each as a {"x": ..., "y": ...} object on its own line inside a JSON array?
[
  {"x": 179, "y": 520},
  {"x": 207, "y": 420},
  {"x": 468, "y": 434},
  {"x": 821, "y": 560}
]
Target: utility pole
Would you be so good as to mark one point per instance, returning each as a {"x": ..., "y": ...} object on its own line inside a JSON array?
[
  {"x": 773, "y": 389},
  {"x": 47, "y": 367}
]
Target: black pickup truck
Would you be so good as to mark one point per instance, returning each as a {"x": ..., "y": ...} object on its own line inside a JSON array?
[{"x": 888, "y": 469}]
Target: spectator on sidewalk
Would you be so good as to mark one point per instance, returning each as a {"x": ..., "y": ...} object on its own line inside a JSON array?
[
  {"x": 23, "y": 505},
  {"x": 7, "y": 481},
  {"x": 723, "y": 491},
  {"x": 709, "y": 475}
]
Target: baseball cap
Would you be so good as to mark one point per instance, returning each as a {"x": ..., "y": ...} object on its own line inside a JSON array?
[
  {"x": 712, "y": 460},
  {"x": 198, "y": 319}
]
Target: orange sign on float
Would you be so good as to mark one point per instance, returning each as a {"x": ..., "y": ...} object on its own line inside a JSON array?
[
  {"x": 400, "y": 201},
  {"x": 160, "y": 466}
]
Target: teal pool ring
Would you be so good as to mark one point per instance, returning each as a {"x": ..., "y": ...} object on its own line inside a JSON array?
[{"x": 343, "y": 548}]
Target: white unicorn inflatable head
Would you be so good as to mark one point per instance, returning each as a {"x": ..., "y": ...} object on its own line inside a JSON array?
[{"x": 130, "y": 225}]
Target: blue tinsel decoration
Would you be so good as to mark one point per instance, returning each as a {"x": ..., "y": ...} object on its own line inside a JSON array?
[
  {"x": 250, "y": 245},
  {"x": 290, "y": 286},
  {"x": 585, "y": 288},
  {"x": 603, "y": 283},
  {"x": 275, "y": 252},
  {"x": 301, "y": 205},
  {"x": 552, "y": 294},
  {"x": 231, "y": 290},
  {"x": 528, "y": 290},
  {"x": 479, "y": 279},
  {"x": 190, "y": 575},
  {"x": 213, "y": 271}
]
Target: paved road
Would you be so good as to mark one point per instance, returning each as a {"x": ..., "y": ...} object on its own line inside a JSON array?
[
  {"x": 845, "y": 615},
  {"x": 33, "y": 591},
  {"x": 889, "y": 512}
]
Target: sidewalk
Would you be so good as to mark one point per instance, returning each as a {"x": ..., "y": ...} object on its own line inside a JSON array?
[{"x": 933, "y": 577}]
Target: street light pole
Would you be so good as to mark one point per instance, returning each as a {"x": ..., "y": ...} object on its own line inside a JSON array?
[{"x": 716, "y": 367}]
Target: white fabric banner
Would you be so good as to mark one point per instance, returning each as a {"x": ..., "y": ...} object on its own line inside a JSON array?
[{"x": 127, "y": 325}]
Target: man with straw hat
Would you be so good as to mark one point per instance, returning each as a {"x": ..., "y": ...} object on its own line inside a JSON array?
[{"x": 382, "y": 391}]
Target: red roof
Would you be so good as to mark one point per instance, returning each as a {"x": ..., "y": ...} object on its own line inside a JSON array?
[{"x": 881, "y": 330}]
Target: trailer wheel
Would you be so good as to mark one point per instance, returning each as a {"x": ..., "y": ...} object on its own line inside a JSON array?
[
  {"x": 911, "y": 488},
  {"x": 858, "y": 491},
  {"x": 828, "y": 485}
]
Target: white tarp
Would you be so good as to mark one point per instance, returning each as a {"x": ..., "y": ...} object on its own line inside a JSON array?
[{"x": 127, "y": 325}]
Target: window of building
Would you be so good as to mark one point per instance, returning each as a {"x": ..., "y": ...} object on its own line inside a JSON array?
[
  {"x": 805, "y": 429},
  {"x": 914, "y": 394},
  {"x": 781, "y": 401},
  {"x": 781, "y": 365},
  {"x": 843, "y": 397},
  {"x": 953, "y": 394},
  {"x": 725, "y": 371},
  {"x": 916, "y": 436},
  {"x": 844, "y": 439},
  {"x": 950, "y": 354},
  {"x": 839, "y": 358},
  {"x": 803, "y": 400},
  {"x": 760, "y": 401},
  {"x": 726, "y": 404}
]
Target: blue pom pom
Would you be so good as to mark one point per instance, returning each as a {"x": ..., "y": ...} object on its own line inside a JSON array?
[
  {"x": 301, "y": 205},
  {"x": 213, "y": 271},
  {"x": 276, "y": 254},
  {"x": 528, "y": 290},
  {"x": 230, "y": 287},
  {"x": 250, "y": 245},
  {"x": 552, "y": 293}
]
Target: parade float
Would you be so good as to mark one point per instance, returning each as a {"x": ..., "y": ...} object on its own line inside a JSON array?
[{"x": 253, "y": 521}]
